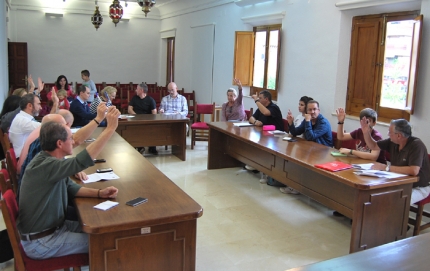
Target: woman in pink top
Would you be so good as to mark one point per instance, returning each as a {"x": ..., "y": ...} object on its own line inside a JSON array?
[
  {"x": 233, "y": 109},
  {"x": 62, "y": 83}
]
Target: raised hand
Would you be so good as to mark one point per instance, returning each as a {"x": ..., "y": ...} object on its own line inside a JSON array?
[
  {"x": 255, "y": 96},
  {"x": 238, "y": 83},
  {"x": 290, "y": 117},
  {"x": 112, "y": 117},
  {"x": 54, "y": 96},
  {"x": 365, "y": 127},
  {"x": 340, "y": 114},
  {"x": 40, "y": 84},
  {"x": 101, "y": 110}
]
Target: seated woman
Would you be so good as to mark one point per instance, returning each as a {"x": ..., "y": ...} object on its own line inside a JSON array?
[
  {"x": 62, "y": 83},
  {"x": 233, "y": 109},
  {"x": 106, "y": 95}
]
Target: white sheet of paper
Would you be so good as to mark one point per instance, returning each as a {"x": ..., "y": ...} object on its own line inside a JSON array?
[
  {"x": 95, "y": 177},
  {"x": 106, "y": 205},
  {"x": 242, "y": 124},
  {"x": 379, "y": 173},
  {"x": 277, "y": 132},
  {"x": 74, "y": 130},
  {"x": 362, "y": 166}
]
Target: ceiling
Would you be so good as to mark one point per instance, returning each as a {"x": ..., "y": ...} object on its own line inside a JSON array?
[{"x": 160, "y": 9}]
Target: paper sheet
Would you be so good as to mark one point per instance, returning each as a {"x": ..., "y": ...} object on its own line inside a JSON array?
[
  {"x": 363, "y": 166},
  {"x": 106, "y": 205},
  {"x": 379, "y": 173},
  {"x": 95, "y": 177}
]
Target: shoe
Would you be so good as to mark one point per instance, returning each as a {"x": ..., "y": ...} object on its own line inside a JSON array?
[
  {"x": 263, "y": 178},
  {"x": 336, "y": 213},
  {"x": 153, "y": 150},
  {"x": 249, "y": 168},
  {"x": 289, "y": 190}
]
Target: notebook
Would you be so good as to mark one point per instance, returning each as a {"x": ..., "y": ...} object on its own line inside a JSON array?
[{"x": 334, "y": 166}]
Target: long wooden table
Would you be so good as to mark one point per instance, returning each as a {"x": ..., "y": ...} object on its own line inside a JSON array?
[
  {"x": 157, "y": 235},
  {"x": 409, "y": 254},
  {"x": 156, "y": 130},
  {"x": 378, "y": 207}
]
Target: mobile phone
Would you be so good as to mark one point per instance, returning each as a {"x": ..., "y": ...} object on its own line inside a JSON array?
[
  {"x": 107, "y": 96},
  {"x": 136, "y": 201},
  {"x": 99, "y": 160},
  {"x": 104, "y": 170},
  {"x": 292, "y": 140}
]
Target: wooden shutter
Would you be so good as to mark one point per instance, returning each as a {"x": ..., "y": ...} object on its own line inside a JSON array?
[
  {"x": 415, "y": 56},
  {"x": 244, "y": 57},
  {"x": 364, "y": 65}
]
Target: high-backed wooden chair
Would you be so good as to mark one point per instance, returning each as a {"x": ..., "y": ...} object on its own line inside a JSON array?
[
  {"x": 152, "y": 87},
  {"x": 4, "y": 180},
  {"x": 249, "y": 113},
  {"x": 156, "y": 96},
  {"x": 200, "y": 129},
  {"x": 420, "y": 212},
  {"x": 12, "y": 168},
  {"x": 286, "y": 126},
  {"x": 9, "y": 209},
  {"x": 3, "y": 143},
  {"x": 191, "y": 101}
]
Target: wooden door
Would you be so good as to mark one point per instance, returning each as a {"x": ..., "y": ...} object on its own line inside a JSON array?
[{"x": 18, "y": 65}]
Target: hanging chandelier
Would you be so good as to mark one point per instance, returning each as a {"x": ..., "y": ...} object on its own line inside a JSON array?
[
  {"x": 146, "y": 5},
  {"x": 115, "y": 12},
  {"x": 97, "y": 18}
]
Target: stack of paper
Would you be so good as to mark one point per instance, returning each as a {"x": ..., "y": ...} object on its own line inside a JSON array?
[
  {"x": 242, "y": 124},
  {"x": 363, "y": 166},
  {"x": 106, "y": 205},
  {"x": 92, "y": 178}
]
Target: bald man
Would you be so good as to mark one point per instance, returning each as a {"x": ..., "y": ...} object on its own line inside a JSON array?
[{"x": 174, "y": 102}]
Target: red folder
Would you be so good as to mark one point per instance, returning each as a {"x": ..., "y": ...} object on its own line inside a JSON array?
[{"x": 334, "y": 166}]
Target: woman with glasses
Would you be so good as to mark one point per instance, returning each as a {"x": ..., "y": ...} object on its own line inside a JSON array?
[{"x": 233, "y": 110}]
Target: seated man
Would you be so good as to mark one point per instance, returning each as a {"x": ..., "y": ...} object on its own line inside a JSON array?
[
  {"x": 24, "y": 123},
  {"x": 80, "y": 109},
  {"x": 267, "y": 112},
  {"x": 314, "y": 127},
  {"x": 408, "y": 155},
  {"x": 361, "y": 150},
  {"x": 141, "y": 103},
  {"x": 174, "y": 102},
  {"x": 46, "y": 188}
]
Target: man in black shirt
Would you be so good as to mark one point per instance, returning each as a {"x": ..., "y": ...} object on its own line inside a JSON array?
[
  {"x": 141, "y": 103},
  {"x": 267, "y": 113}
]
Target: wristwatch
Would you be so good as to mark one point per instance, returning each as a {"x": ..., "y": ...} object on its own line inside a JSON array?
[{"x": 387, "y": 168}]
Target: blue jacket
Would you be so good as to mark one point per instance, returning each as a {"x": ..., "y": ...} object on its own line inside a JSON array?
[
  {"x": 81, "y": 113},
  {"x": 319, "y": 133}
]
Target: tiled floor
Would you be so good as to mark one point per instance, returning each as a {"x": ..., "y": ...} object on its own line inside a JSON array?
[{"x": 247, "y": 225}]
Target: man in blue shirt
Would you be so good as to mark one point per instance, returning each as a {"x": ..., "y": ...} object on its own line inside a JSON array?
[{"x": 314, "y": 127}]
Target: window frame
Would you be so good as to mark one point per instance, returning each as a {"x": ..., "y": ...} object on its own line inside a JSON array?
[
  {"x": 244, "y": 62},
  {"x": 371, "y": 80}
]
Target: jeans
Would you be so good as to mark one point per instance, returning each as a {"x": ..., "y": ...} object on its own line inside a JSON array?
[{"x": 66, "y": 240}]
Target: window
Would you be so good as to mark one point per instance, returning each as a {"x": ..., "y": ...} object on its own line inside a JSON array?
[
  {"x": 384, "y": 64},
  {"x": 256, "y": 61},
  {"x": 170, "y": 73}
]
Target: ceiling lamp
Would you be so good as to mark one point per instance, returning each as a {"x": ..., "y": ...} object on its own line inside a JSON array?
[
  {"x": 146, "y": 5},
  {"x": 115, "y": 12},
  {"x": 97, "y": 18}
]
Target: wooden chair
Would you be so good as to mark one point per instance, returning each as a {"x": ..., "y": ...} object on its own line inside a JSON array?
[
  {"x": 156, "y": 96},
  {"x": 3, "y": 142},
  {"x": 4, "y": 181},
  {"x": 191, "y": 101},
  {"x": 249, "y": 113},
  {"x": 200, "y": 129},
  {"x": 12, "y": 168},
  {"x": 420, "y": 212},
  {"x": 9, "y": 209},
  {"x": 152, "y": 87},
  {"x": 286, "y": 126}
]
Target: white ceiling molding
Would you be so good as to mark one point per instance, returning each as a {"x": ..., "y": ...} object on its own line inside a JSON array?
[
  {"x": 196, "y": 7},
  {"x": 242, "y": 3},
  {"x": 265, "y": 19},
  {"x": 169, "y": 33},
  {"x": 353, "y": 4}
]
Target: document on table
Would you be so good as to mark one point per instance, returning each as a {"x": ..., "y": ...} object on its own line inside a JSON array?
[
  {"x": 106, "y": 205},
  {"x": 363, "y": 166},
  {"x": 379, "y": 173},
  {"x": 95, "y": 177},
  {"x": 277, "y": 132},
  {"x": 242, "y": 124}
]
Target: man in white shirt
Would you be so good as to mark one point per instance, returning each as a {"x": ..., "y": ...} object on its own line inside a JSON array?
[{"x": 24, "y": 123}]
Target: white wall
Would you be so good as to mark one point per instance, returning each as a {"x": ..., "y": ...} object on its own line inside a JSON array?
[
  {"x": 127, "y": 53},
  {"x": 4, "y": 76}
]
